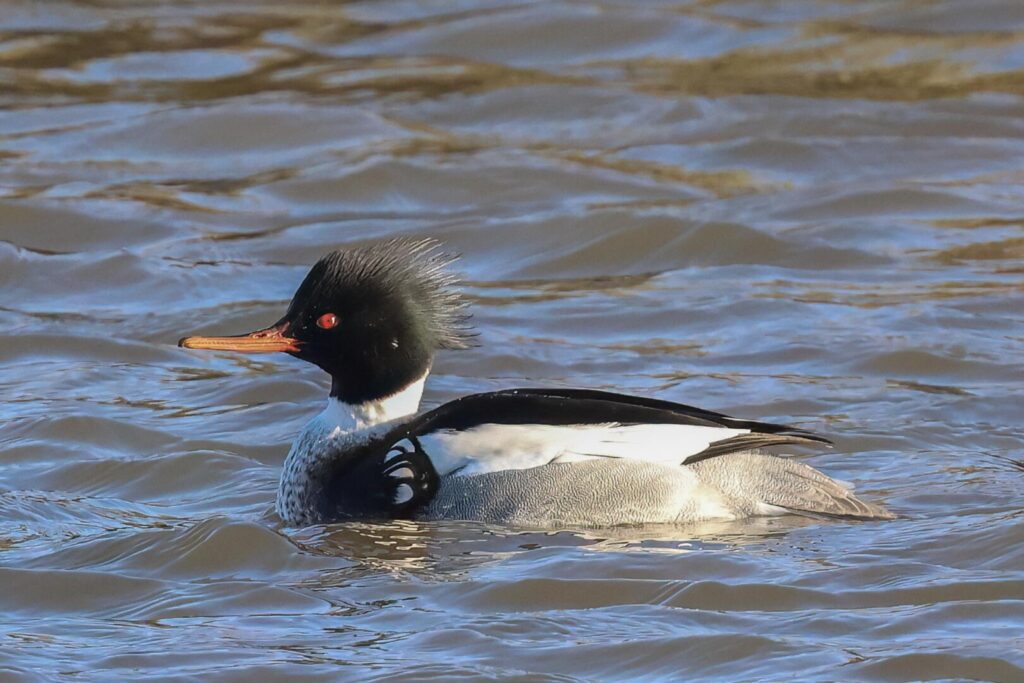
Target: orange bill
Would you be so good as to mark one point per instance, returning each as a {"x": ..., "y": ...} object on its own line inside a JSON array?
[{"x": 261, "y": 341}]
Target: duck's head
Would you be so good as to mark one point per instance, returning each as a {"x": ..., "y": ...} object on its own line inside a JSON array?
[{"x": 372, "y": 317}]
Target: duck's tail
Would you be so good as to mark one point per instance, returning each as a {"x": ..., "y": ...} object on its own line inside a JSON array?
[{"x": 762, "y": 484}]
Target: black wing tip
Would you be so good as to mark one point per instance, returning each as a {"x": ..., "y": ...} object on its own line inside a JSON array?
[
  {"x": 754, "y": 441},
  {"x": 806, "y": 435},
  {"x": 795, "y": 435}
]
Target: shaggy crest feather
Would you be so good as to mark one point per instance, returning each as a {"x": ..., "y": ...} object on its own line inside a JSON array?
[{"x": 415, "y": 270}]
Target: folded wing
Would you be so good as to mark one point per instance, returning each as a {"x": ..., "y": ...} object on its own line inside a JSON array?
[{"x": 524, "y": 428}]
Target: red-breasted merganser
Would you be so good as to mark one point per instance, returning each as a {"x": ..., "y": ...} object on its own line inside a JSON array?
[{"x": 374, "y": 317}]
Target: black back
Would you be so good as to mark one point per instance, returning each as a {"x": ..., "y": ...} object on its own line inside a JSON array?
[
  {"x": 358, "y": 482},
  {"x": 586, "y": 406}
]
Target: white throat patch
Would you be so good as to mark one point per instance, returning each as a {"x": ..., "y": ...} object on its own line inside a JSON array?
[{"x": 344, "y": 417}]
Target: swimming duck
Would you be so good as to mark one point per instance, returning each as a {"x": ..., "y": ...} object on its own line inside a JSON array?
[{"x": 374, "y": 317}]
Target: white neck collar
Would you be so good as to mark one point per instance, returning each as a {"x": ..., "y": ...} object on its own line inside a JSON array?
[{"x": 346, "y": 417}]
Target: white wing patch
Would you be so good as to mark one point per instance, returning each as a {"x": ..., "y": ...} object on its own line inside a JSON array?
[{"x": 496, "y": 447}]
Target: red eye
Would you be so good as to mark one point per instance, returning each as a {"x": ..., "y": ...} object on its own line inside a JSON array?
[{"x": 327, "y": 321}]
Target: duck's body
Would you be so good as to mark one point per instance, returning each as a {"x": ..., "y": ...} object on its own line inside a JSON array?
[
  {"x": 601, "y": 493},
  {"x": 533, "y": 457},
  {"x": 551, "y": 457}
]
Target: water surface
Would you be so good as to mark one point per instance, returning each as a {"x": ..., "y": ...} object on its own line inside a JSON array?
[{"x": 808, "y": 212}]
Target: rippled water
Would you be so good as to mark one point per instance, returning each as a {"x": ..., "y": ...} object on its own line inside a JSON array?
[{"x": 808, "y": 212}]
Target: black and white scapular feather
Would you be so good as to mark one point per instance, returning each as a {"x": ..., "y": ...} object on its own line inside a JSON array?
[{"x": 373, "y": 318}]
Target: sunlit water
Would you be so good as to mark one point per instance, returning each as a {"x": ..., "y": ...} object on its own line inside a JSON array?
[{"x": 808, "y": 212}]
